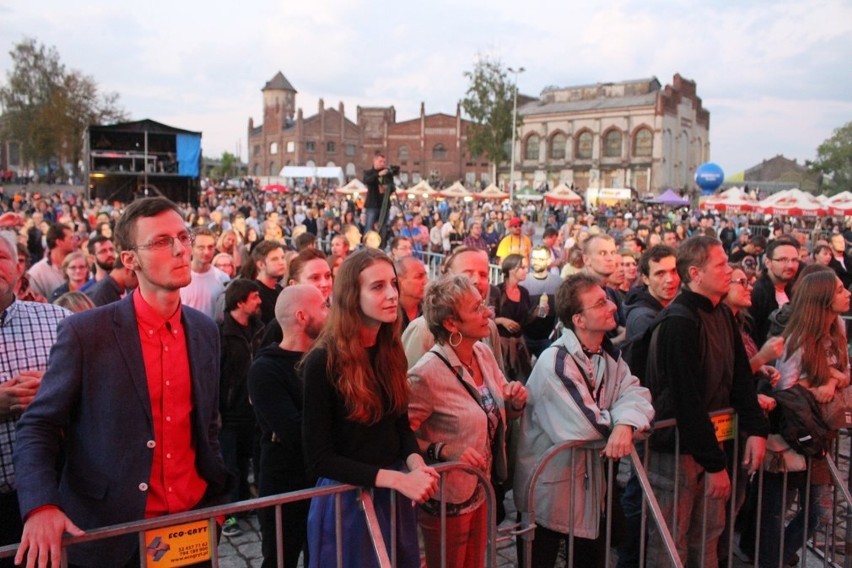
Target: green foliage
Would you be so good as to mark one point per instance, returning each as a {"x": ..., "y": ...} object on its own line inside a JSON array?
[
  {"x": 47, "y": 107},
  {"x": 834, "y": 161},
  {"x": 488, "y": 104},
  {"x": 227, "y": 168}
]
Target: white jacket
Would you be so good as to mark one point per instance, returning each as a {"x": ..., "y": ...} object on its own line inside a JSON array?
[{"x": 555, "y": 414}]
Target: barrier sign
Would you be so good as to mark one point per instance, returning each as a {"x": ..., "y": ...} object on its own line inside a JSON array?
[
  {"x": 724, "y": 426},
  {"x": 178, "y": 545}
]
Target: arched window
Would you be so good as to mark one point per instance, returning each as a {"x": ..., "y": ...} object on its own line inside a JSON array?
[
  {"x": 531, "y": 147},
  {"x": 612, "y": 144},
  {"x": 402, "y": 154},
  {"x": 643, "y": 143},
  {"x": 273, "y": 148},
  {"x": 584, "y": 145},
  {"x": 272, "y": 171},
  {"x": 439, "y": 152},
  {"x": 558, "y": 144}
]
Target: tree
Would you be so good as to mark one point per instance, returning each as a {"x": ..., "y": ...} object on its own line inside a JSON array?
[
  {"x": 227, "y": 168},
  {"x": 834, "y": 161},
  {"x": 47, "y": 108},
  {"x": 488, "y": 104}
]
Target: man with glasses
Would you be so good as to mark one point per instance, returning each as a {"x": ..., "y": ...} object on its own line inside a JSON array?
[
  {"x": 774, "y": 288},
  {"x": 579, "y": 390},
  {"x": 206, "y": 291},
  {"x": 126, "y": 412}
]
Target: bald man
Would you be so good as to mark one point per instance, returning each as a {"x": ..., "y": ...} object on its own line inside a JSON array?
[{"x": 275, "y": 388}]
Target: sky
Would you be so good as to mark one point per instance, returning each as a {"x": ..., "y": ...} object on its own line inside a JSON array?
[{"x": 775, "y": 75}]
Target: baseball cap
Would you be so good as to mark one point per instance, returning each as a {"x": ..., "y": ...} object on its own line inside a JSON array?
[{"x": 515, "y": 222}]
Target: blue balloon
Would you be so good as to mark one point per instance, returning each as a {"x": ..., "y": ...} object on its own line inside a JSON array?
[{"x": 709, "y": 176}]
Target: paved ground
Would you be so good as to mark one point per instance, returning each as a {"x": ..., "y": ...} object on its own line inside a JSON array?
[{"x": 244, "y": 550}]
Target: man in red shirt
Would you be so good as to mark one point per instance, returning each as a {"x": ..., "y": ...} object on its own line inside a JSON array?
[{"x": 128, "y": 399}]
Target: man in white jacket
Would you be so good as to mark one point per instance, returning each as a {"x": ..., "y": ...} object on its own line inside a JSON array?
[{"x": 580, "y": 390}]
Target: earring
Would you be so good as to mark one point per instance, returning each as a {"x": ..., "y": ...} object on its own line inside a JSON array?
[{"x": 457, "y": 343}]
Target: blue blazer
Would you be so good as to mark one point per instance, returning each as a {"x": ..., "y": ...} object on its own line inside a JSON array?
[{"x": 93, "y": 410}]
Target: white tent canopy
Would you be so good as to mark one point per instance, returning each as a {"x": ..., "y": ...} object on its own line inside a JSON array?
[{"x": 301, "y": 172}]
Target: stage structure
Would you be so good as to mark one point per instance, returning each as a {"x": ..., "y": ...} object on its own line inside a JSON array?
[{"x": 141, "y": 159}]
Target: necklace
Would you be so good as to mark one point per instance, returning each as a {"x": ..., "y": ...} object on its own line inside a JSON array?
[{"x": 468, "y": 366}]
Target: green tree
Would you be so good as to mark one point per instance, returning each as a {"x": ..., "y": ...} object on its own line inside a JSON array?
[
  {"x": 227, "y": 168},
  {"x": 834, "y": 161},
  {"x": 47, "y": 107},
  {"x": 488, "y": 104}
]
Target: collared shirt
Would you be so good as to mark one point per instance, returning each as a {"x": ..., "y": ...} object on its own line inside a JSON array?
[
  {"x": 175, "y": 485},
  {"x": 27, "y": 332}
]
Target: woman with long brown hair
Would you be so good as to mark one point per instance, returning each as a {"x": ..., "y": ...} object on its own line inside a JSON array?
[
  {"x": 816, "y": 358},
  {"x": 356, "y": 426}
]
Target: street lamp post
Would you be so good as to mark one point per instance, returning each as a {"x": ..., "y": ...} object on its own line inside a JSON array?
[{"x": 516, "y": 72}]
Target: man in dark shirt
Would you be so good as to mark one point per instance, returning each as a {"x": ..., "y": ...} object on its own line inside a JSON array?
[
  {"x": 275, "y": 388},
  {"x": 268, "y": 257},
  {"x": 114, "y": 285},
  {"x": 775, "y": 286},
  {"x": 697, "y": 364},
  {"x": 840, "y": 261},
  {"x": 379, "y": 182},
  {"x": 239, "y": 333}
]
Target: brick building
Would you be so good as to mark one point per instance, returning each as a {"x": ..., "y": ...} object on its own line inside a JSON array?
[
  {"x": 635, "y": 134},
  {"x": 430, "y": 147}
]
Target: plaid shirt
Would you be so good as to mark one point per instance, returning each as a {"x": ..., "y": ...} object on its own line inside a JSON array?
[{"x": 27, "y": 332}]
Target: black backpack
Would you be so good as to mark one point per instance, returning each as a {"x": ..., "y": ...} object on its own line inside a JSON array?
[
  {"x": 798, "y": 419},
  {"x": 635, "y": 351}
]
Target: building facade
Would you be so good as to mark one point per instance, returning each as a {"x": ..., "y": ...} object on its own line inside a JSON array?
[
  {"x": 634, "y": 134},
  {"x": 432, "y": 147}
]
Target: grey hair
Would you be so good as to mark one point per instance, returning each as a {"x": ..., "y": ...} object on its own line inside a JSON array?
[
  {"x": 441, "y": 302},
  {"x": 12, "y": 241}
]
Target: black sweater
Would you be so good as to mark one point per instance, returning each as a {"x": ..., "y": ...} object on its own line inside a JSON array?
[
  {"x": 696, "y": 380},
  {"x": 338, "y": 448},
  {"x": 275, "y": 388}
]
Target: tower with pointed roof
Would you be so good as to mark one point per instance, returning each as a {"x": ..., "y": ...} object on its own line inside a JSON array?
[{"x": 279, "y": 104}]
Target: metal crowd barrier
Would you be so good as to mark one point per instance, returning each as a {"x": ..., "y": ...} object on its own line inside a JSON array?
[
  {"x": 528, "y": 525},
  {"x": 836, "y": 538},
  {"x": 209, "y": 514}
]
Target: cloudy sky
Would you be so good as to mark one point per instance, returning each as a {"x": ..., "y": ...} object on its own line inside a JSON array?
[{"x": 775, "y": 75}]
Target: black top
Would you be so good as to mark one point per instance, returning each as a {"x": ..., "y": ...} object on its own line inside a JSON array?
[
  {"x": 338, "y": 448},
  {"x": 516, "y": 311},
  {"x": 703, "y": 366},
  {"x": 268, "y": 297},
  {"x": 373, "y": 180},
  {"x": 763, "y": 303},
  {"x": 275, "y": 388}
]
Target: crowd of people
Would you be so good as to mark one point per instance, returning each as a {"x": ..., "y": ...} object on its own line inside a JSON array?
[{"x": 255, "y": 345}]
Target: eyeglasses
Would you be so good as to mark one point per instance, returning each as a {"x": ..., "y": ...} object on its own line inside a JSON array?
[
  {"x": 785, "y": 260},
  {"x": 598, "y": 305},
  {"x": 166, "y": 242},
  {"x": 744, "y": 282}
]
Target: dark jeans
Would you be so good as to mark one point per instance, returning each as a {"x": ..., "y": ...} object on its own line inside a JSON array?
[
  {"x": 631, "y": 505},
  {"x": 545, "y": 549},
  {"x": 237, "y": 444},
  {"x": 772, "y": 517},
  {"x": 11, "y": 526},
  {"x": 294, "y": 534},
  {"x": 372, "y": 215}
]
